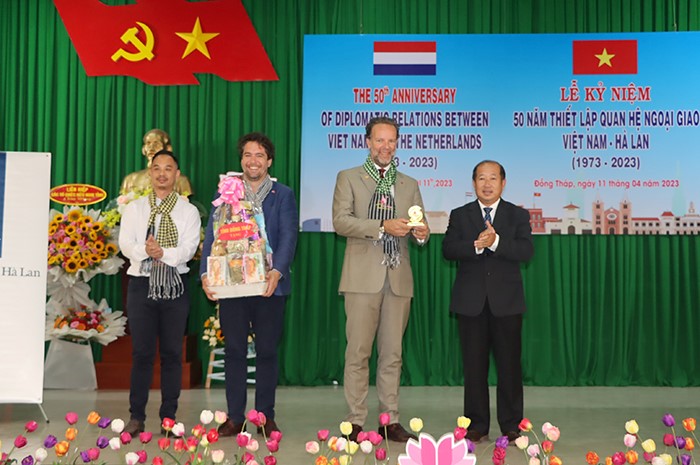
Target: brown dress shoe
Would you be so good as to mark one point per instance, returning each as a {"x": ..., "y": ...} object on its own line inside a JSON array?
[
  {"x": 229, "y": 428},
  {"x": 356, "y": 429},
  {"x": 395, "y": 432},
  {"x": 476, "y": 437},
  {"x": 512, "y": 435},
  {"x": 134, "y": 427},
  {"x": 269, "y": 427}
]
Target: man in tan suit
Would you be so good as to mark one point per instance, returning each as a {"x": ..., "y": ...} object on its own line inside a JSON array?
[{"x": 370, "y": 206}]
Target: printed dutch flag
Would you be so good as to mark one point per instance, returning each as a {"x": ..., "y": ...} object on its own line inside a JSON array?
[{"x": 405, "y": 58}]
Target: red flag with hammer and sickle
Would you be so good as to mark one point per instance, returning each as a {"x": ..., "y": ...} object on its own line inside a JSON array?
[{"x": 165, "y": 42}]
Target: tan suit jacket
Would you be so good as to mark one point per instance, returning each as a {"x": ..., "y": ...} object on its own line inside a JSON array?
[{"x": 363, "y": 270}]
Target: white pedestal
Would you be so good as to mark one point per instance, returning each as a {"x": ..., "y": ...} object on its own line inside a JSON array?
[{"x": 69, "y": 365}]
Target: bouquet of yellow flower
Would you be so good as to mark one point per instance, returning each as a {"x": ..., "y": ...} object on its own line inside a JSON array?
[
  {"x": 81, "y": 245},
  {"x": 85, "y": 323}
]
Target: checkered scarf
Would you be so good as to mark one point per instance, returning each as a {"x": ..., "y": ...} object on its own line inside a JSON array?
[
  {"x": 257, "y": 198},
  {"x": 164, "y": 281},
  {"x": 382, "y": 207}
]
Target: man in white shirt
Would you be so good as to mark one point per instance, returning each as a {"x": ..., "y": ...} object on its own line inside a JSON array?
[{"x": 159, "y": 234}]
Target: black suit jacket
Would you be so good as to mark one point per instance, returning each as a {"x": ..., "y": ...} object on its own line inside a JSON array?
[{"x": 495, "y": 276}]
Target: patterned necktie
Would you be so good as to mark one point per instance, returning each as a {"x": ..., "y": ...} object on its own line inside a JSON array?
[
  {"x": 487, "y": 215},
  {"x": 381, "y": 172}
]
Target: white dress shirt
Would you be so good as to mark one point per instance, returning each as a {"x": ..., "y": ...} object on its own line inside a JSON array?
[{"x": 134, "y": 226}]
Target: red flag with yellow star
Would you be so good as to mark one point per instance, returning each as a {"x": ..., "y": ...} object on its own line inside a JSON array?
[
  {"x": 605, "y": 57},
  {"x": 165, "y": 42}
]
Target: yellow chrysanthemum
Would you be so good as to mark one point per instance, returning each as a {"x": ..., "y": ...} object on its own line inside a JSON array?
[{"x": 75, "y": 215}]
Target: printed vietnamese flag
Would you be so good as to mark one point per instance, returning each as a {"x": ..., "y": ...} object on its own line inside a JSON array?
[
  {"x": 605, "y": 56},
  {"x": 165, "y": 42}
]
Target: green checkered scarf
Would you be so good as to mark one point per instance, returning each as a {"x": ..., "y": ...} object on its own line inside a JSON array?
[
  {"x": 382, "y": 207},
  {"x": 164, "y": 281},
  {"x": 383, "y": 184}
]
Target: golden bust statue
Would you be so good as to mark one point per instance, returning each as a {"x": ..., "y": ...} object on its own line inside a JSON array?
[{"x": 153, "y": 141}]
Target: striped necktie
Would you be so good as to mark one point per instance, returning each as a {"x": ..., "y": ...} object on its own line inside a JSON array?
[{"x": 487, "y": 215}]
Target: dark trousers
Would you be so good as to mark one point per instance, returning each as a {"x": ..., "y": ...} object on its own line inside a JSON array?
[
  {"x": 479, "y": 335},
  {"x": 152, "y": 322},
  {"x": 266, "y": 316}
]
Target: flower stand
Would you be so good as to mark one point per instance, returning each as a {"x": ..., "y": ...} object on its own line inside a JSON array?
[
  {"x": 215, "y": 368},
  {"x": 69, "y": 365}
]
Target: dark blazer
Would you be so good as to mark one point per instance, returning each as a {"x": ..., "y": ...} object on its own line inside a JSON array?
[
  {"x": 282, "y": 228},
  {"x": 496, "y": 276}
]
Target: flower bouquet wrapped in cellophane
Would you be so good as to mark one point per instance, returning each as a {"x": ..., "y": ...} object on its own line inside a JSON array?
[
  {"x": 84, "y": 323},
  {"x": 81, "y": 246}
]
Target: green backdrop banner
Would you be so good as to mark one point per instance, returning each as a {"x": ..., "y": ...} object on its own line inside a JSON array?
[{"x": 602, "y": 310}]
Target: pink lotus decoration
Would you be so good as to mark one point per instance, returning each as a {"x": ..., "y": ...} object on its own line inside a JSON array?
[{"x": 446, "y": 451}]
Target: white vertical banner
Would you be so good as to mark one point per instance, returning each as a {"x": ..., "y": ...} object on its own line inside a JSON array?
[{"x": 25, "y": 180}]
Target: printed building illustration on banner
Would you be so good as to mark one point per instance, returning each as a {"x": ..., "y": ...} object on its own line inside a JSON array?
[
  {"x": 165, "y": 42},
  {"x": 612, "y": 221}
]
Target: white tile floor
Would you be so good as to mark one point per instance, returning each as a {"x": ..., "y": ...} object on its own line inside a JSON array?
[{"x": 590, "y": 418}]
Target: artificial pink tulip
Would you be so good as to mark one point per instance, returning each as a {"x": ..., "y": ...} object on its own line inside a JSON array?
[
  {"x": 31, "y": 426},
  {"x": 384, "y": 419}
]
